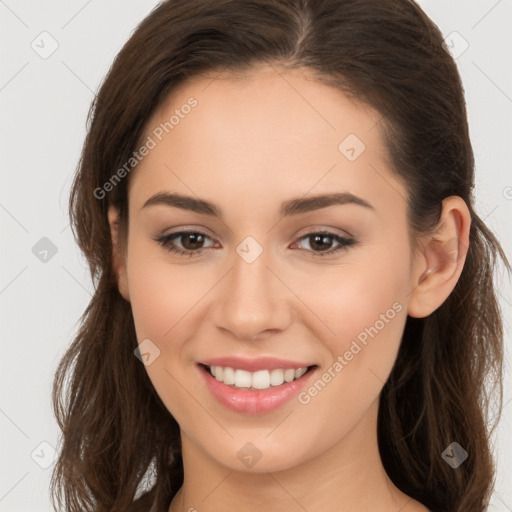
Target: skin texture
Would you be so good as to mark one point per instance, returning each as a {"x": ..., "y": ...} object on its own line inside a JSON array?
[{"x": 250, "y": 144}]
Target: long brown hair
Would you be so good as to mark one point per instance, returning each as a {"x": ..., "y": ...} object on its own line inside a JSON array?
[{"x": 447, "y": 378}]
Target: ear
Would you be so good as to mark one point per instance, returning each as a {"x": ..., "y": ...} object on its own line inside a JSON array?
[
  {"x": 118, "y": 260},
  {"x": 442, "y": 258}
]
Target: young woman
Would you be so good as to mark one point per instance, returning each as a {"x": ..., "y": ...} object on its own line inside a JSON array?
[{"x": 294, "y": 304}]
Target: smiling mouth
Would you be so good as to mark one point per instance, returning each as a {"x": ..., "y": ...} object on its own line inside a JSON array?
[{"x": 255, "y": 381}]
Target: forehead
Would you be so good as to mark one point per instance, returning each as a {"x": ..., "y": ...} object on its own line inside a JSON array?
[{"x": 264, "y": 133}]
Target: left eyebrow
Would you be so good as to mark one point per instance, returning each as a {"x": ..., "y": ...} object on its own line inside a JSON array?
[
  {"x": 288, "y": 208},
  {"x": 308, "y": 204}
]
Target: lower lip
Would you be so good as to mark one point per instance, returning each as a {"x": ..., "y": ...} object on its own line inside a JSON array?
[{"x": 254, "y": 402}]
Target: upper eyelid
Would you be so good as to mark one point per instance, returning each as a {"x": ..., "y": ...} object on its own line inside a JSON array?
[
  {"x": 310, "y": 230},
  {"x": 297, "y": 238}
]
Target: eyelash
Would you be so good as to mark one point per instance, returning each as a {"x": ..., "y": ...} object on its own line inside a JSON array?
[{"x": 165, "y": 242}]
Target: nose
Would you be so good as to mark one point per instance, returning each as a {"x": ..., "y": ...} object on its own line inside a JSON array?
[{"x": 253, "y": 302}]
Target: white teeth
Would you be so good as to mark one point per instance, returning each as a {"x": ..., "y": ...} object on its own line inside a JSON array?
[
  {"x": 229, "y": 376},
  {"x": 242, "y": 379},
  {"x": 261, "y": 379},
  {"x": 300, "y": 372},
  {"x": 289, "y": 375},
  {"x": 277, "y": 377}
]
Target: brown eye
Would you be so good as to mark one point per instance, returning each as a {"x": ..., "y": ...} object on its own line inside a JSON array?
[
  {"x": 191, "y": 242},
  {"x": 321, "y": 242}
]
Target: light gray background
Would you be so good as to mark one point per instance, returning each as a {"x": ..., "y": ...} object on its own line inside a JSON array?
[{"x": 44, "y": 105}]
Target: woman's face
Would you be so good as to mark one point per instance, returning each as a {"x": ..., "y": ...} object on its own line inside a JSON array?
[{"x": 254, "y": 283}]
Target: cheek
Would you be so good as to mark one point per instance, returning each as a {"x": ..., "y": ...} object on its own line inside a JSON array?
[
  {"x": 364, "y": 295},
  {"x": 162, "y": 300},
  {"x": 362, "y": 355},
  {"x": 364, "y": 307},
  {"x": 161, "y": 295}
]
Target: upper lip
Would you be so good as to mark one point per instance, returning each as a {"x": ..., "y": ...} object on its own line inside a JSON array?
[{"x": 254, "y": 365}]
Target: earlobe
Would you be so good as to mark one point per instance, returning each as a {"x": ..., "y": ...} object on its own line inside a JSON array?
[
  {"x": 118, "y": 261},
  {"x": 443, "y": 257}
]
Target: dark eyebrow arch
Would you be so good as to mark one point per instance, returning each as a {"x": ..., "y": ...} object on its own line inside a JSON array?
[{"x": 288, "y": 208}]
